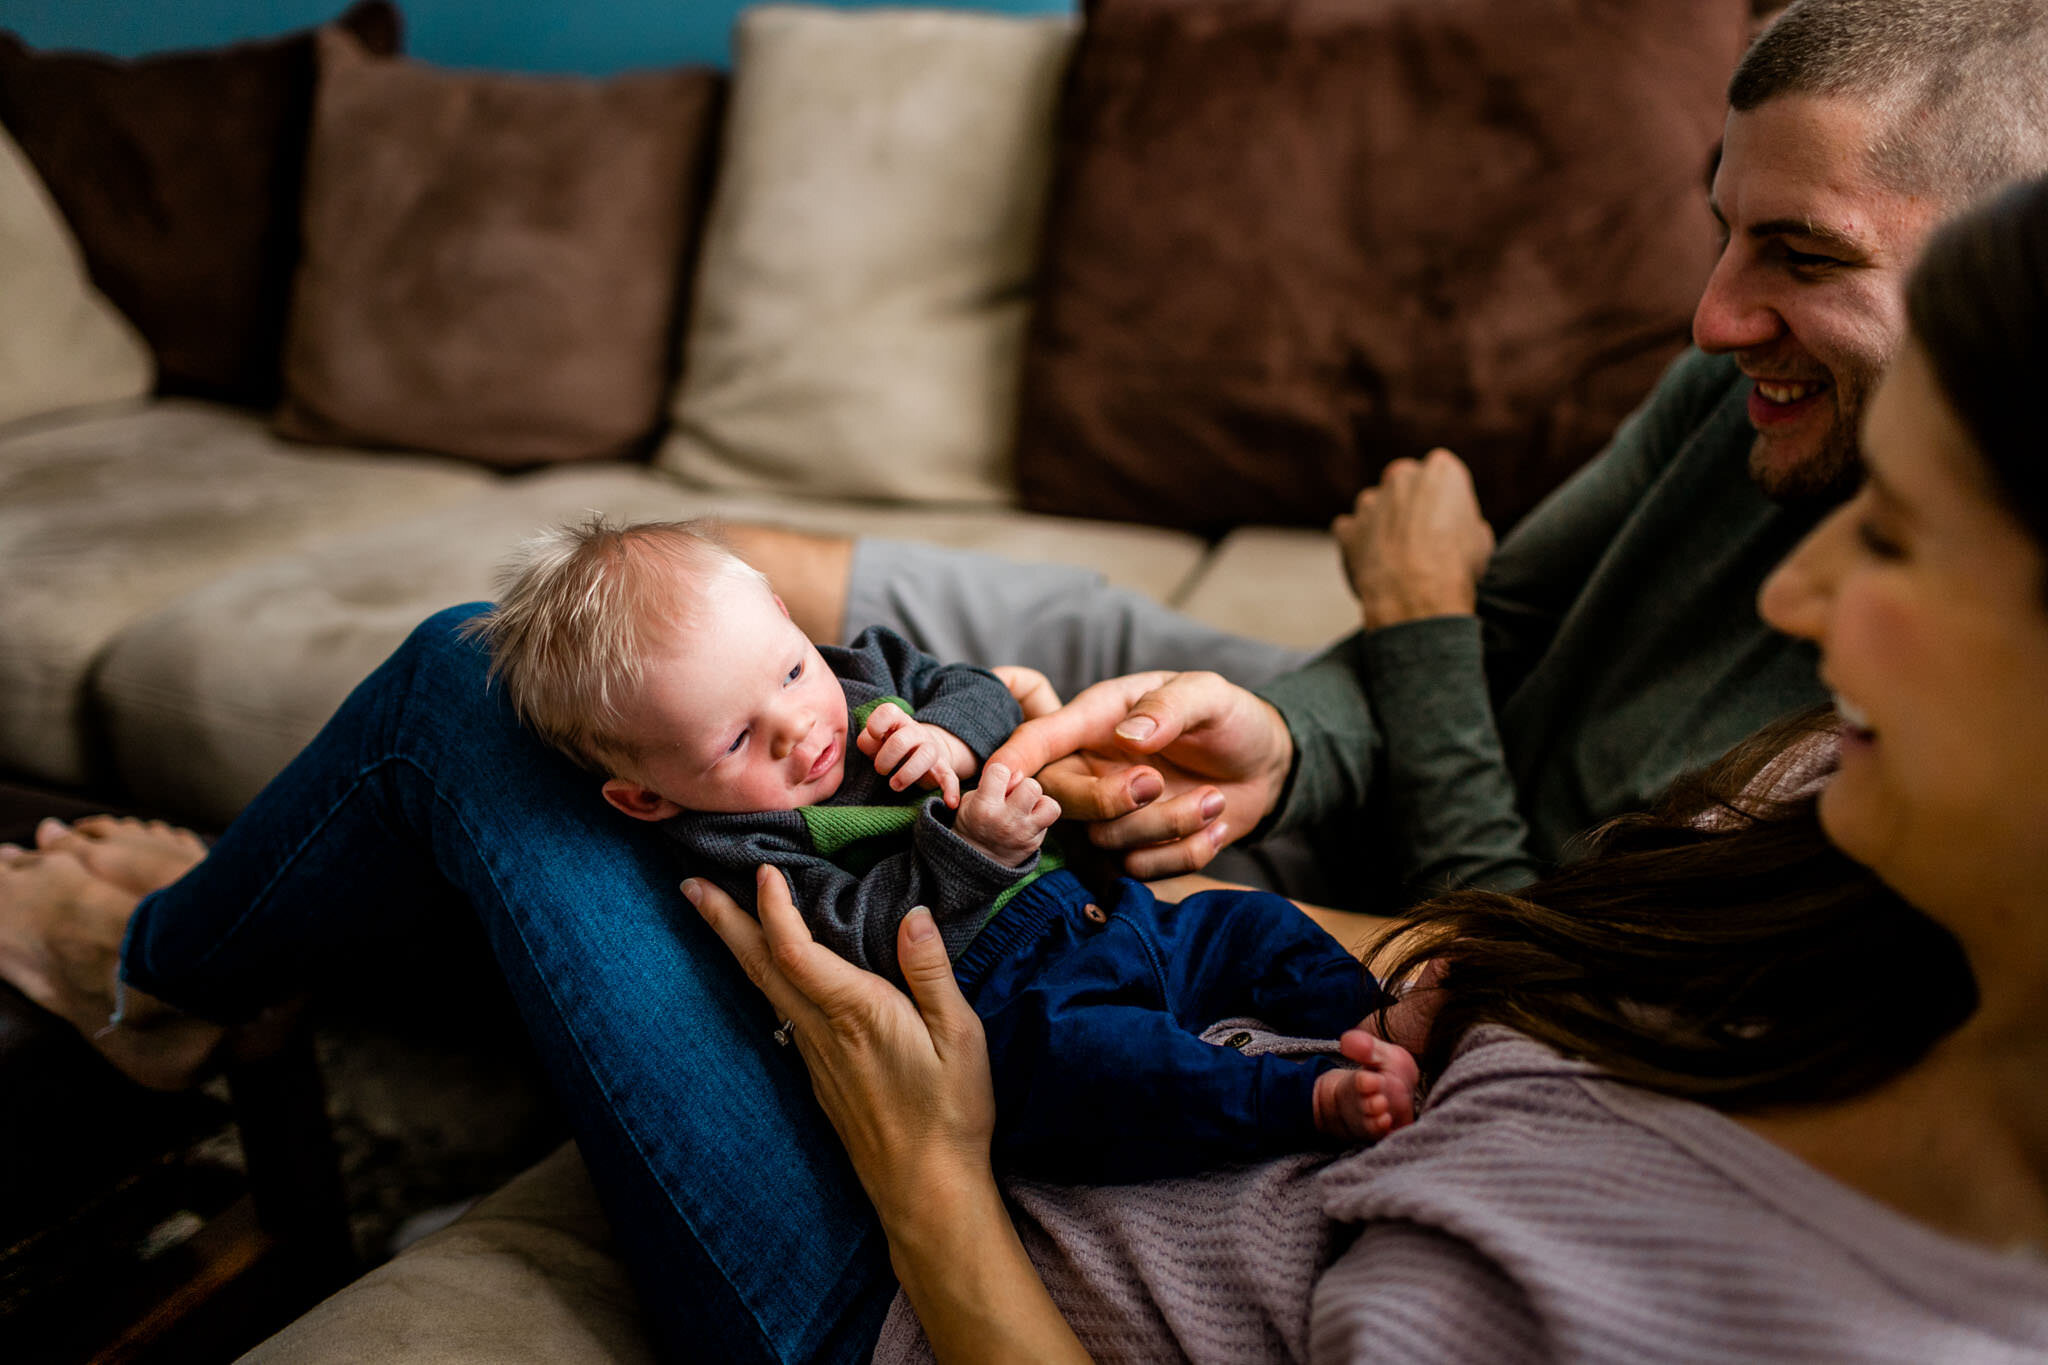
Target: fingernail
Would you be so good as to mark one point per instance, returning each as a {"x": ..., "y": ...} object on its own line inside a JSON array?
[
  {"x": 1212, "y": 805},
  {"x": 49, "y": 824},
  {"x": 1137, "y": 729},
  {"x": 1147, "y": 786},
  {"x": 921, "y": 926},
  {"x": 1218, "y": 832},
  {"x": 692, "y": 891}
]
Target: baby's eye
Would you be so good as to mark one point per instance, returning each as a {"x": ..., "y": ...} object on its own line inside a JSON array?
[
  {"x": 734, "y": 747},
  {"x": 796, "y": 672}
]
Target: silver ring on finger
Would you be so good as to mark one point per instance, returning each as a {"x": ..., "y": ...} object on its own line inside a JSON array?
[{"x": 785, "y": 1033}]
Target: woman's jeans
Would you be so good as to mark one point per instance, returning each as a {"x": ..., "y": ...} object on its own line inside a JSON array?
[{"x": 731, "y": 1198}]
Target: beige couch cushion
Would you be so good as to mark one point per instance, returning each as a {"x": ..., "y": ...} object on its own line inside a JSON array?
[
  {"x": 62, "y": 344},
  {"x": 1274, "y": 583},
  {"x": 206, "y": 699},
  {"x": 107, "y": 517},
  {"x": 528, "y": 1275},
  {"x": 863, "y": 291}
]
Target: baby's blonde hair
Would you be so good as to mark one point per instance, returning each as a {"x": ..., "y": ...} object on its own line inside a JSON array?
[{"x": 580, "y": 607}]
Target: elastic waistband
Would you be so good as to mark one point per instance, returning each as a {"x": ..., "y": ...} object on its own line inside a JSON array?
[{"x": 1026, "y": 917}]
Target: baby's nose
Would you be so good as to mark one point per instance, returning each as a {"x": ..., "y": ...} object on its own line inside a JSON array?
[{"x": 790, "y": 735}]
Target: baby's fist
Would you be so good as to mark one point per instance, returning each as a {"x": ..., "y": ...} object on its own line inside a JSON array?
[
  {"x": 906, "y": 751},
  {"x": 1007, "y": 816}
]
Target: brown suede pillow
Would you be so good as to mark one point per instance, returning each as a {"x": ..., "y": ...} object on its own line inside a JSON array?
[
  {"x": 492, "y": 263},
  {"x": 1292, "y": 239},
  {"x": 180, "y": 178}
]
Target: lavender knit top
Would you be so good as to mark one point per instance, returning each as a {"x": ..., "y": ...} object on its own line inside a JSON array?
[{"x": 1536, "y": 1212}]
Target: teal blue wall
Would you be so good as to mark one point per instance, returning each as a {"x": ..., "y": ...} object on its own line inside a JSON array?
[{"x": 593, "y": 37}]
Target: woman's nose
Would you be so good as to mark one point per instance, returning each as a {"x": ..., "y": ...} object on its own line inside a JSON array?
[{"x": 1795, "y": 598}]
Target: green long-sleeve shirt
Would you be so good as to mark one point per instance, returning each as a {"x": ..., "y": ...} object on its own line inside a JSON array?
[{"x": 1617, "y": 645}]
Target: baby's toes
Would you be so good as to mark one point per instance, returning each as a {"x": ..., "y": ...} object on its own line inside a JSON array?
[{"x": 1399, "y": 1063}]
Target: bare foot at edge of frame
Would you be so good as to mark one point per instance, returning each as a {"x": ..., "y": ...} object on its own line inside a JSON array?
[{"x": 60, "y": 940}]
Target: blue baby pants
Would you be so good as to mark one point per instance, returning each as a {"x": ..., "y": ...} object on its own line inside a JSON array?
[{"x": 1094, "y": 1009}]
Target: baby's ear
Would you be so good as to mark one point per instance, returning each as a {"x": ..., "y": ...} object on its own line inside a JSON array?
[
  {"x": 642, "y": 803},
  {"x": 780, "y": 605}
]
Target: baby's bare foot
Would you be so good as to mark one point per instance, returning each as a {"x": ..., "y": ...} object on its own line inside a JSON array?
[
  {"x": 1372, "y": 1101},
  {"x": 136, "y": 855},
  {"x": 60, "y": 943}
]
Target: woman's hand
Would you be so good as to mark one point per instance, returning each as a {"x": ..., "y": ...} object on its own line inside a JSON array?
[
  {"x": 903, "y": 1078},
  {"x": 905, "y": 1081},
  {"x": 1171, "y": 766}
]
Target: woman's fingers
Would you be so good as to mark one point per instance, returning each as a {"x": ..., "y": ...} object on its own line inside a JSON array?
[
  {"x": 1178, "y": 858},
  {"x": 1090, "y": 790},
  {"x": 1162, "y": 822},
  {"x": 744, "y": 937},
  {"x": 775, "y": 950}
]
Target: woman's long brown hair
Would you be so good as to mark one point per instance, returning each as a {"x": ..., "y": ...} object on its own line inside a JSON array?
[{"x": 1717, "y": 948}]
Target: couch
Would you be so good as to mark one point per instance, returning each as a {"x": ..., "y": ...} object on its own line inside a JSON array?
[{"x": 1152, "y": 292}]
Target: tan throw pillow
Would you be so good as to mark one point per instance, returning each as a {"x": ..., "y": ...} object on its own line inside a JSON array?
[
  {"x": 492, "y": 263},
  {"x": 62, "y": 344},
  {"x": 1289, "y": 240},
  {"x": 864, "y": 289}
]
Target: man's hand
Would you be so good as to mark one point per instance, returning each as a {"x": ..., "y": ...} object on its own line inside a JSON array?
[
  {"x": 1007, "y": 816},
  {"x": 907, "y": 751},
  {"x": 1415, "y": 545},
  {"x": 1172, "y": 766},
  {"x": 1032, "y": 689}
]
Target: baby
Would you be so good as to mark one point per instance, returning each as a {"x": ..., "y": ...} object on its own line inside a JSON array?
[{"x": 657, "y": 658}]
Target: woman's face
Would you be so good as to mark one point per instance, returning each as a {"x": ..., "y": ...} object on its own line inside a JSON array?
[{"x": 1930, "y": 606}]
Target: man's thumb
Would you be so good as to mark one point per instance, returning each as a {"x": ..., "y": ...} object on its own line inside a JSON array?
[{"x": 1153, "y": 723}]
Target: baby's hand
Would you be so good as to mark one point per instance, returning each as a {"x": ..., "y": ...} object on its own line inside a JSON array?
[
  {"x": 907, "y": 751},
  {"x": 1007, "y": 816}
]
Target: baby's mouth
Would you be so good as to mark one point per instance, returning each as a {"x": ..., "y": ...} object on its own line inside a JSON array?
[{"x": 822, "y": 764}]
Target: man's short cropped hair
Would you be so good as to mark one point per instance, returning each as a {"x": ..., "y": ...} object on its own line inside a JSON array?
[
  {"x": 1959, "y": 87},
  {"x": 580, "y": 609}
]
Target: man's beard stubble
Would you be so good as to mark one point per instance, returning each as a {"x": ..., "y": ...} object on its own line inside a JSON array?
[{"x": 1830, "y": 476}]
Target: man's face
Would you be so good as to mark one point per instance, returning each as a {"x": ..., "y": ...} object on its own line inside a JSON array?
[
  {"x": 1808, "y": 293},
  {"x": 739, "y": 714}
]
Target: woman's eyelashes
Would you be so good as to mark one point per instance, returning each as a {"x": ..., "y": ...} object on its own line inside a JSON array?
[{"x": 1876, "y": 541}]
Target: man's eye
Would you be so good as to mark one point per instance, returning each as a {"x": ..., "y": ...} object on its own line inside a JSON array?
[{"x": 1808, "y": 260}]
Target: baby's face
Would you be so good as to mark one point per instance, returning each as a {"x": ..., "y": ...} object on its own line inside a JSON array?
[{"x": 741, "y": 714}]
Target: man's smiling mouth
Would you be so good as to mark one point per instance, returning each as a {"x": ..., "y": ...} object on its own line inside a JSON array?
[{"x": 1779, "y": 392}]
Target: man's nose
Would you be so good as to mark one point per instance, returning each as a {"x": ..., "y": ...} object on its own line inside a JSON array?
[{"x": 1733, "y": 313}]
